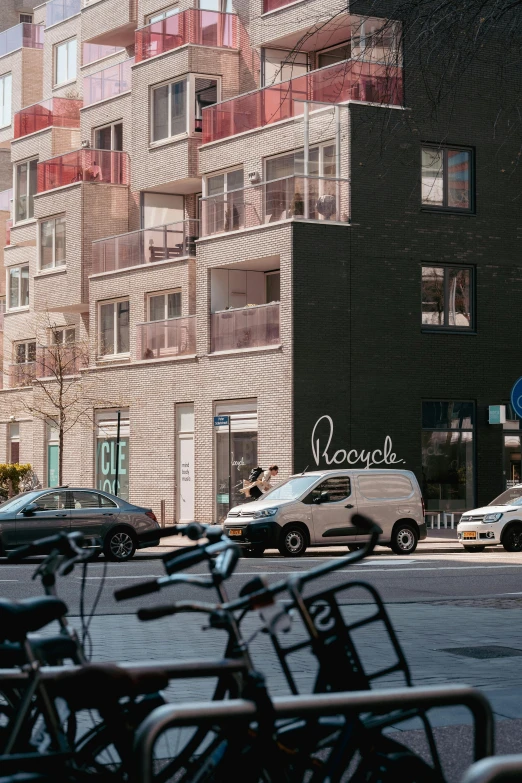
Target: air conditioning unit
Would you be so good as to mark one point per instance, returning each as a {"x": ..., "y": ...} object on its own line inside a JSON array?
[
  {"x": 86, "y": 143},
  {"x": 254, "y": 177}
]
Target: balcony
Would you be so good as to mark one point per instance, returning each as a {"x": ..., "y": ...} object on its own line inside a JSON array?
[
  {"x": 52, "y": 113},
  {"x": 288, "y": 198},
  {"x": 107, "y": 83},
  {"x": 22, "y": 374},
  {"x": 86, "y": 165},
  {"x": 145, "y": 246},
  {"x": 110, "y": 23},
  {"x": 348, "y": 80},
  {"x": 21, "y": 35},
  {"x": 162, "y": 339},
  {"x": 60, "y": 360},
  {"x": 58, "y": 10},
  {"x": 193, "y": 26},
  {"x": 246, "y": 327},
  {"x": 93, "y": 52}
]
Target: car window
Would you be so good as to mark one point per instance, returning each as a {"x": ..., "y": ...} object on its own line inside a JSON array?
[
  {"x": 16, "y": 502},
  {"x": 291, "y": 489},
  {"x": 86, "y": 500},
  {"x": 507, "y": 496},
  {"x": 107, "y": 502},
  {"x": 338, "y": 487},
  {"x": 53, "y": 501}
]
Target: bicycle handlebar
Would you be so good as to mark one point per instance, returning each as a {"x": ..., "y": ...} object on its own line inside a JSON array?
[{"x": 63, "y": 543}]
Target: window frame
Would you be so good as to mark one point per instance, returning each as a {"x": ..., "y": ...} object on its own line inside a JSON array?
[
  {"x": 164, "y": 294},
  {"x": 28, "y": 20},
  {"x": 161, "y": 14},
  {"x": 27, "y": 161},
  {"x": 446, "y": 327},
  {"x": 110, "y": 125},
  {"x": 311, "y": 500},
  {"x": 54, "y": 266},
  {"x": 264, "y": 82},
  {"x": 63, "y": 330},
  {"x": 26, "y": 344},
  {"x": 445, "y": 148},
  {"x": 19, "y": 306},
  {"x": 3, "y": 79},
  {"x": 116, "y": 354},
  {"x": 190, "y": 106},
  {"x": 69, "y": 78}
]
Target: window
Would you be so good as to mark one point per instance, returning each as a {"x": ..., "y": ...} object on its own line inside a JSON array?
[
  {"x": 205, "y": 94},
  {"x": 165, "y": 305},
  {"x": 53, "y": 501},
  {"x": 285, "y": 187},
  {"x": 236, "y": 453},
  {"x": 336, "y": 54},
  {"x": 110, "y": 137},
  {"x": 114, "y": 328},
  {"x": 65, "y": 61},
  {"x": 27, "y": 18},
  {"x": 91, "y": 500},
  {"x": 447, "y": 297},
  {"x": 63, "y": 336},
  {"x": 224, "y": 204},
  {"x": 169, "y": 110},
  {"x": 280, "y": 65},
  {"x": 25, "y": 352},
  {"x": 18, "y": 286},
  {"x": 52, "y": 243},
  {"x": 109, "y": 453},
  {"x": 223, "y": 6},
  {"x": 160, "y": 15},
  {"x": 14, "y": 443},
  {"x": 273, "y": 286},
  {"x": 161, "y": 209},
  {"x": 448, "y": 455},
  {"x": 447, "y": 178},
  {"x": 337, "y": 487},
  {"x": 6, "y": 84},
  {"x": 25, "y": 188}
]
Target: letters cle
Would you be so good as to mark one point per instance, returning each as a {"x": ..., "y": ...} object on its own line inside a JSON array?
[{"x": 384, "y": 456}]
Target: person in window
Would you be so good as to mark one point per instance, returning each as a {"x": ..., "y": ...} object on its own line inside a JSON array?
[{"x": 93, "y": 173}]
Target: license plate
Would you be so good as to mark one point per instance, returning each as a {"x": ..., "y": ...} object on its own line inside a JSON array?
[
  {"x": 235, "y": 532},
  {"x": 469, "y": 534}
]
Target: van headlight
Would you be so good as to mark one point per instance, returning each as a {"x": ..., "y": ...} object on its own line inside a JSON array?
[
  {"x": 265, "y": 512},
  {"x": 492, "y": 517}
]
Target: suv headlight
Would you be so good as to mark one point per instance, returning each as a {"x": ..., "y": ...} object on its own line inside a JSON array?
[
  {"x": 265, "y": 512},
  {"x": 493, "y": 517}
]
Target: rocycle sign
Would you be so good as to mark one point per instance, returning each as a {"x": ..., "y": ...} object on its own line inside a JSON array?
[{"x": 321, "y": 450}]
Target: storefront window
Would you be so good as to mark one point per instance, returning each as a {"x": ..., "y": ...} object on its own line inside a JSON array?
[
  {"x": 447, "y": 455},
  {"x": 236, "y": 452},
  {"x": 108, "y": 454}
]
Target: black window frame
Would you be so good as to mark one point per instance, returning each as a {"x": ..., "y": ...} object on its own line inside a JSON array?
[
  {"x": 445, "y": 207},
  {"x": 447, "y": 327}
]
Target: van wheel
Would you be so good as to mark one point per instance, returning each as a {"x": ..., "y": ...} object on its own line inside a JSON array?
[
  {"x": 474, "y": 548},
  {"x": 404, "y": 539},
  {"x": 293, "y": 541},
  {"x": 512, "y": 538}
]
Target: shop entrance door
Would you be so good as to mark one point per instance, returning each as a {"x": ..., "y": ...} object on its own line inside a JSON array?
[{"x": 512, "y": 459}]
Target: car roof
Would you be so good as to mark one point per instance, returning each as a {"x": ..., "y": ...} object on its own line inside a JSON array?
[{"x": 349, "y": 471}]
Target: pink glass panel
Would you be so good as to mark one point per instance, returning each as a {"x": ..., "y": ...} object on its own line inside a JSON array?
[
  {"x": 58, "y": 10},
  {"x": 24, "y": 34},
  {"x": 107, "y": 83},
  {"x": 55, "y": 361},
  {"x": 272, "y": 5},
  {"x": 193, "y": 26},
  {"x": 8, "y": 227},
  {"x": 93, "y": 52},
  {"x": 248, "y": 327},
  {"x": 54, "y": 112},
  {"x": 173, "y": 337},
  {"x": 22, "y": 374},
  {"x": 106, "y": 166},
  {"x": 349, "y": 80}
]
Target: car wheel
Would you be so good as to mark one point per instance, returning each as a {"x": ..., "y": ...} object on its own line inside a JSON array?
[
  {"x": 354, "y": 547},
  {"x": 119, "y": 545},
  {"x": 474, "y": 548},
  {"x": 254, "y": 551},
  {"x": 404, "y": 539},
  {"x": 512, "y": 538},
  {"x": 293, "y": 541}
]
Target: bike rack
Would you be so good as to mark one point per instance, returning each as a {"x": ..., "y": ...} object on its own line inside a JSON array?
[
  {"x": 498, "y": 770},
  {"x": 376, "y": 702}
]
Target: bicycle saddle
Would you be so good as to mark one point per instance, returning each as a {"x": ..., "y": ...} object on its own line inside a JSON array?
[
  {"x": 17, "y": 618},
  {"x": 82, "y": 687}
]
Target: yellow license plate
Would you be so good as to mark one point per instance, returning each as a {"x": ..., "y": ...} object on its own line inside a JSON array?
[
  {"x": 469, "y": 534},
  {"x": 235, "y": 532}
]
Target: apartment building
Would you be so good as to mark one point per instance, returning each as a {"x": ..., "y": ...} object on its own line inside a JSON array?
[{"x": 200, "y": 219}]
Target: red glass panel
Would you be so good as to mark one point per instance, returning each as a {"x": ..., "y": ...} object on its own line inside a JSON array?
[
  {"x": 54, "y": 112},
  {"x": 193, "y": 26},
  {"x": 106, "y": 166}
]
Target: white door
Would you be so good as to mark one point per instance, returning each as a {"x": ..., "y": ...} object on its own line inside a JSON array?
[{"x": 185, "y": 481}]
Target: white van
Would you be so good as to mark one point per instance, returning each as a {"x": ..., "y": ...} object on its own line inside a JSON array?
[{"x": 316, "y": 509}]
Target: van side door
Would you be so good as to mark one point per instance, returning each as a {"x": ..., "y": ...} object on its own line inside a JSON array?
[
  {"x": 333, "y": 506},
  {"x": 387, "y": 497}
]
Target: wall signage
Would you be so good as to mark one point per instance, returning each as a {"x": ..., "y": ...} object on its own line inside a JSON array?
[
  {"x": 320, "y": 450},
  {"x": 497, "y": 414}
]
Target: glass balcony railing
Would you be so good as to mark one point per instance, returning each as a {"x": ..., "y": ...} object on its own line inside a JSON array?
[
  {"x": 348, "y": 80},
  {"x": 273, "y": 5},
  {"x": 21, "y": 35},
  {"x": 245, "y": 327},
  {"x": 145, "y": 246},
  {"x": 107, "y": 166},
  {"x": 6, "y": 197},
  {"x": 296, "y": 198},
  {"x": 193, "y": 26},
  {"x": 22, "y": 374},
  {"x": 92, "y": 52},
  {"x": 58, "y": 10},
  {"x": 59, "y": 360},
  {"x": 173, "y": 337},
  {"x": 8, "y": 227},
  {"x": 108, "y": 83},
  {"x": 52, "y": 113}
]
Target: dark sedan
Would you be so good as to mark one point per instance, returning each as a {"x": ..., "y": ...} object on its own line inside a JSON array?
[{"x": 114, "y": 523}]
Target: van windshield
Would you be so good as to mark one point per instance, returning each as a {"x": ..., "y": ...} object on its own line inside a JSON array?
[{"x": 291, "y": 489}]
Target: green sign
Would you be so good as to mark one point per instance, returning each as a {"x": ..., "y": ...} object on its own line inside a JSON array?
[
  {"x": 52, "y": 465},
  {"x": 106, "y": 467},
  {"x": 222, "y": 498}
]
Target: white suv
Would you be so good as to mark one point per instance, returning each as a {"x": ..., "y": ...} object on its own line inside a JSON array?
[{"x": 498, "y": 523}]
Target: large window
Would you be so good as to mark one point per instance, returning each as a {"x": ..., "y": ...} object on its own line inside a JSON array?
[
  {"x": 161, "y": 15},
  {"x": 25, "y": 352},
  {"x": 169, "y": 110},
  {"x": 286, "y": 188},
  {"x": 447, "y": 178},
  {"x": 205, "y": 94},
  {"x": 280, "y": 65},
  {"x": 6, "y": 83},
  {"x": 224, "y": 207},
  {"x": 112, "y": 452},
  {"x": 18, "y": 284},
  {"x": 25, "y": 189},
  {"x": 110, "y": 137},
  {"x": 448, "y": 455},
  {"x": 447, "y": 297},
  {"x": 165, "y": 305},
  {"x": 236, "y": 457},
  {"x": 52, "y": 243},
  {"x": 114, "y": 328},
  {"x": 14, "y": 443},
  {"x": 65, "y": 61}
]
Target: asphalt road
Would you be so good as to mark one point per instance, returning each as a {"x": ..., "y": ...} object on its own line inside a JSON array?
[{"x": 444, "y": 574}]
